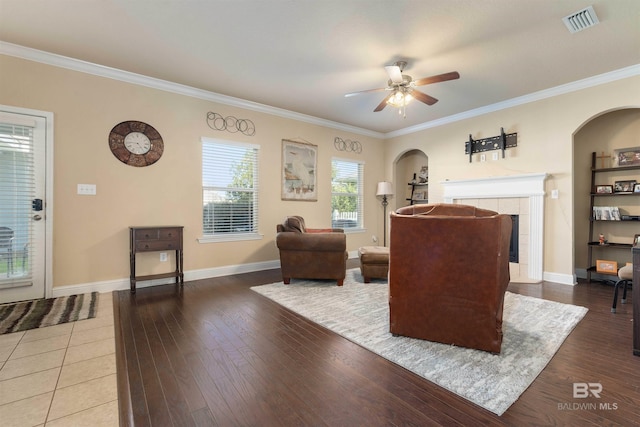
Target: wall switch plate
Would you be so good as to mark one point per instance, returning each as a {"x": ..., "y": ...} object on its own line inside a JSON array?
[
  {"x": 87, "y": 189},
  {"x": 163, "y": 256},
  {"x": 554, "y": 194},
  {"x": 483, "y": 157},
  {"x": 495, "y": 156}
]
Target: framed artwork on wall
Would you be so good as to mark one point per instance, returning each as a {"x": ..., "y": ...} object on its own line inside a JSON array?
[{"x": 299, "y": 165}]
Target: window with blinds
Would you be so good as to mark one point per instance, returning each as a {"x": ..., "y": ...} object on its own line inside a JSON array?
[
  {"x": 17, "y": 190},
  {"x": 229, "y": 189},
  {"x": 347, "y": 194}
]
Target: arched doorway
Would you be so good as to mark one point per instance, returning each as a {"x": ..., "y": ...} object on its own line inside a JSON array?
[
  {"x": 603, "y": 135},
  {"x": 410, "y": 165}
]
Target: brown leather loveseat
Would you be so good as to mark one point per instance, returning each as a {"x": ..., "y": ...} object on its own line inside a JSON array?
[
  {"x": 448, "y": 273},
  {"x": 311, "y": 253}
]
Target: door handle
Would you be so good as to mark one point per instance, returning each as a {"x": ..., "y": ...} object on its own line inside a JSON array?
[{"x": 37, "y": 217}]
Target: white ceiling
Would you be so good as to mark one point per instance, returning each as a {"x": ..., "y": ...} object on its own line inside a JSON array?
[{"x": 303, "y": 55}]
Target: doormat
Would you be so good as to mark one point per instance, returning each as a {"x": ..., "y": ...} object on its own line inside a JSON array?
[{"x": 39, "y": 313}]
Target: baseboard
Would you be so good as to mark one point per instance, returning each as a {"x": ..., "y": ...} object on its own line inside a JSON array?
[
  {"x": 122, "y": 284},
  {"x": 565, "y": 279}
]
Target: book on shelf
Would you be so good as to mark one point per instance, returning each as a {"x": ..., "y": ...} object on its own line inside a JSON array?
[{"x": 606, "y": 213}]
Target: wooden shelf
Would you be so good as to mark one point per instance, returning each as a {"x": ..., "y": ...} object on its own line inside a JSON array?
[{"x": 593, "y": 233}]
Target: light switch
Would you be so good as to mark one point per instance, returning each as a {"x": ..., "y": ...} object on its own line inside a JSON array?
[
  {"x": 554, "y": 194},
  {"x": 87, "y": 189}
]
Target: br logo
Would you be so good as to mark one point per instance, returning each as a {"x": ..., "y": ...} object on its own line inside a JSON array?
[{"x": 584, "y": 390}]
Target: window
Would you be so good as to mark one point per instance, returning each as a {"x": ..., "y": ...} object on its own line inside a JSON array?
[
  {"x": 229, "y": 190},
  {"x": 346, "y": 194},
  {"x": 17, "y": 190}
]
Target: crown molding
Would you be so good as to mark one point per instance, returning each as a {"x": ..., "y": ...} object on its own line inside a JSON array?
[
  {"x": 60, "y": 61},
  {"x": 623, "y": 73},
  {"x": 55, "y": 60}
]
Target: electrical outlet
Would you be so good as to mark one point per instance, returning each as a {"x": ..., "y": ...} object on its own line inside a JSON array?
[
  {"x": 483, "y": 157},
  {"x": 495, "y": 156},
  {"x": 374, "y": 238},
  {"x": 163, "y": 256}
]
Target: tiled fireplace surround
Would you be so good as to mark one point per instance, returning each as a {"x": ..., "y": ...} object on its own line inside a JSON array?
[{"x": 521, "y": 195}]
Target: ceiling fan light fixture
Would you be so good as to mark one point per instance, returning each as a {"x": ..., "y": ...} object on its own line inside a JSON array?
[{"x": 399, "y": 99}]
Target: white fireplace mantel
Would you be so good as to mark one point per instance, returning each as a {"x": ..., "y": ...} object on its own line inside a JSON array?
[{"x": 529, "y": 186}]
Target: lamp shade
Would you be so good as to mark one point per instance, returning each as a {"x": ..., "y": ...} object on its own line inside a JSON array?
[{"x": 384, "y": 189}]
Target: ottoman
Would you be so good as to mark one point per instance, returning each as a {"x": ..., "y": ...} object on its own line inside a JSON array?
[{"x": 374, "y": 262}]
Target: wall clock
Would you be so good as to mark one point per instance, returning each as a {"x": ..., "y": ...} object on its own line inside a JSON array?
[{"x": 136, "y": 143}]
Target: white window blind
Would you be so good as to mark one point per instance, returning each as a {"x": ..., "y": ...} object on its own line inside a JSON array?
[
  {"x": 17, "y": 190},
  {"x": 229, "y": 188},
  {"x": 347, "y": 194}
]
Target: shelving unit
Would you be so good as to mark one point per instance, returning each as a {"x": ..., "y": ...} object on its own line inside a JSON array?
[
  {"x": 596, "y": 199},
  {"x": 420, "y": 185}
]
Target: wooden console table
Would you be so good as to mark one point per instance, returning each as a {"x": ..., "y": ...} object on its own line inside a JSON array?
[
  {"x": 635, "y": 294},
  {"x": 155, "y": 239}
]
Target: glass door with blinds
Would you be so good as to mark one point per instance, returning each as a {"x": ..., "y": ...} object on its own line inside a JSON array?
[{"x": 22, "y": 206}]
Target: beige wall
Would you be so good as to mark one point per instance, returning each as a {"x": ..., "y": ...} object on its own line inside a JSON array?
[
  {"x": 90, "y": 232},
  {"x": 90, "y": 235},
  {"x": 545, "y": 144}
]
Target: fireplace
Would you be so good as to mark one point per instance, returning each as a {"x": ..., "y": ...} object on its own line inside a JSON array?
[
  {"x": 521, "y": 195},
  {"x": 514, "y": 242}
]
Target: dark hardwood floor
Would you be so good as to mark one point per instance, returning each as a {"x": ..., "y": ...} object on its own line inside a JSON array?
[{"x": 217, "y": 353}]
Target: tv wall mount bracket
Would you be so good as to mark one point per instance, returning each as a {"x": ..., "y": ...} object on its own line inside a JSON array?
[{"x": 500, "y": 142}]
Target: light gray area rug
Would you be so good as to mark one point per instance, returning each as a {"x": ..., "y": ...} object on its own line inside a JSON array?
[{"x": 533, "y": 330}]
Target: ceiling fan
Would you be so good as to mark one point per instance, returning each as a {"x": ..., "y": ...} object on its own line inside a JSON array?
[{"x": 402, "y": 87}]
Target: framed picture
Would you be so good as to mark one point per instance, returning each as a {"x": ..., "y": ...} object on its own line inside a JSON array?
[
  {"x": 624, "y": 186},
  {"x": 603, "y": 266},
  {"x": 636, "y": 188},
  {"x": 626, "y": 157},
  {"x": 604, "y": 189},
  {"x": 299, "y": 165}
]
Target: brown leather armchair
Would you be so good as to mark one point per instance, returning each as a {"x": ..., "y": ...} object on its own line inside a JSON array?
[
  {"x": 311, "y": 253},
  {"x": 448, "y": 273}
]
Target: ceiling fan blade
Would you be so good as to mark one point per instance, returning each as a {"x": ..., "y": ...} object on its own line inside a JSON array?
[
  {"x": 437, "y": 79},
  {"x": 364, "y": 91},
  {"x": 394, "y": 72},
  {"x": 383, "y": 104},
  {"x": 423, "y": 97}
]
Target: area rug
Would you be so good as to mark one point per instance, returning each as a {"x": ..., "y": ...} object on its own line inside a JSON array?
[
  {"x": 534, "y": 329},
  {"x": 39, "y": 313}
]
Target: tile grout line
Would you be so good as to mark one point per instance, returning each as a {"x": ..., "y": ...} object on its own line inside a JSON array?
[{"x": 55, "y": 388}]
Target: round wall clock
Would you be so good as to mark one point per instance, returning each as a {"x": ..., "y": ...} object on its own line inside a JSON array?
[{"x": 136, "y": 143}]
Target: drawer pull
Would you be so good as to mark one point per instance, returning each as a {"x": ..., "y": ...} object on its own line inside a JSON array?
[
  {"x": 169, "y": 245},
  {"x": 146, "y": 246},
  {"x": 169, "y": 234},
  {"x": 146, "y": 235}
]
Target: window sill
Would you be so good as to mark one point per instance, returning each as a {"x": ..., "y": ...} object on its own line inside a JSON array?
[
  {"x": 354, "y": 230},
  {"x": 230, "y": 237}
]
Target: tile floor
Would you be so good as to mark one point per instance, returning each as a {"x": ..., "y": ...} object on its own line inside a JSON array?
[{"x": 63, "y": 375}]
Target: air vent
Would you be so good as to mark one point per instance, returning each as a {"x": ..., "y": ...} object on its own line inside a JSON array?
[{"x": 581, "y": 20}]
